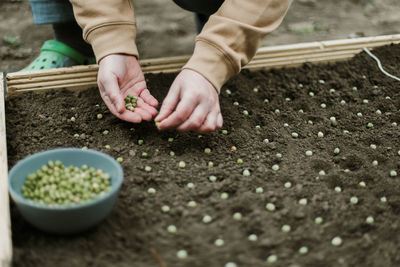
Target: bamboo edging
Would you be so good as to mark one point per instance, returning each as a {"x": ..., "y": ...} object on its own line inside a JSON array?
[
  {"x": 5, "y": 225},
  {"x": 266, "y": 57}
]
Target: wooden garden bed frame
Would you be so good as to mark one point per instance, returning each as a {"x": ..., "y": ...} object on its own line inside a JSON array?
[{"x": 81, "y": 77}]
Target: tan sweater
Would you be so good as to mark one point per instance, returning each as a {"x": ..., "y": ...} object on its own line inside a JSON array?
[{"x": 228, "y": 41}]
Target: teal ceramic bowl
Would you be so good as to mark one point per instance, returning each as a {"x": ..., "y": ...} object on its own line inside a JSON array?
[{"x": 65, "y": 219}]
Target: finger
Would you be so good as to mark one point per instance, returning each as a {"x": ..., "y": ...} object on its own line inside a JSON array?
[
  {"x": 209, "y": 124},
  {"x": 169, "y": 103},
  {"x": 148, "y": 98},
  {"x": 220, "y": 121},
  {"x": 195, "y": 121},
  {"x": 182, "y": 112},
  {"x": 144, "y": 114},
  {"x": 146, "y": 106},
  {"x": 110, "y": 88}
]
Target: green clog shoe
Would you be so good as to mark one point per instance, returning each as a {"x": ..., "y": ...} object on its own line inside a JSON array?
[{"x": 55, "y": 54}]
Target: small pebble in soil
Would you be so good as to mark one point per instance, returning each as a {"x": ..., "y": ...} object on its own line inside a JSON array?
[
  {"x": 309, "y": 153},
  {"x": 373, "y": 146},
  {"x": 237, "y": 216},
  {"x": 318, "y": 220},
  {"x": 320, "y": 134},
  {"x": 246, "y": 172},
  {"x": 303, "y": 201},
  {"x": 224, "y": 195},
  {"x": 270, "y": 207},
  {"x": 219, "y": 242},
  {"x": 303, "y": 250},
  {"x": 230, "y": 264},
  {"x": 172, "y": 229},
  {"x": 181, "y": 164},
  {"x": 165, "y": 208},
  {"x": 383, "y": 199},
  {"x": 151, "y": 191},
  {"x": 362, "y": 184},
  {"x": 120, "y": 159},
  {"x": 337, "y": 241},
  {"x": 338, "y": 189},
  {"x": 252, "y": 237},
  {"x": 259, "y": 190},
  {"x": 336, "y": 150},
  {"x": 272, "y": 258},
  {"x": 99, "y": 116},
  {"x": 369, "y": 220},
  {"x": 207, "y": 219},
  {"x": 375, "y": 163},
  {"x": 212, "y": 178},
  {"x": 286, "y": 228},
  {"x": 393, "y": 173},
  {"x": 354, "y": 200},
  {"x": 192, "y": 204},
  {"x": 295, "y": 135},
  {"x": 207, "y": 150},
  {"x": 275, "y": 167},
  {"x": 148, "y": 168},
  {"x": 239, "y": 161},
  {"x": 288, "y": 185},
  {"x": 190, "y": 185},
  {"x": 182, "y": 254}
]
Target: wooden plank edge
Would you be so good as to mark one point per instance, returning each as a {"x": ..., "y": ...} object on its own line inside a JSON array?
[{"x": 5, "y": 223}]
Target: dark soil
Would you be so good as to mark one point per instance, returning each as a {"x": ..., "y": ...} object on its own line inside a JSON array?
[{"x": 137, "y": 225}]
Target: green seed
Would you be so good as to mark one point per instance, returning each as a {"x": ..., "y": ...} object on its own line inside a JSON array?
[
  {"x": 73, "y": 119},
  {"x": 240, "y": 161},
  {"x": 107, "y": 146},
  {"x": 225, "y": 132},
  {"x": 120, "y": 159},
  {"x": 170, "y": 139},
  {"x": 140, "y": 142},
  {"x": 144, "y": 155},
  {"x": 147, "y": 168},
  {"x": 182, "y": 164},
  {"x": 105, "y": 132},
  {"x": 172, "y": 153},
  {"x": 99, "y": 116},
  {"x": 207, "y": 150}
]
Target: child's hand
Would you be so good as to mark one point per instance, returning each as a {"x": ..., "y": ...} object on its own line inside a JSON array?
[
  {"x": 192, "y": 104},
  {"x": 120, "y": 75}
]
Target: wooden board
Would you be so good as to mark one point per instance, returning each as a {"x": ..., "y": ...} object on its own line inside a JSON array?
[
  {"x": 5, "y": 226},
  {"x": 267, "y": 57}
]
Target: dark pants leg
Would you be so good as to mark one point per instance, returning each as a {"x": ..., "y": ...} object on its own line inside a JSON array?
[{"x": 202, "y": 8}]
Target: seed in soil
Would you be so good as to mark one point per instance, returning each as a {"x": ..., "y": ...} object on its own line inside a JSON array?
[
  {"x": 362, "y": 184},
  {"x": 230, "y": 264},
  {"x": 318, "y": 220},
  {"x": 286, "y": 228},
  {"x": 224, "y": 132},
  {"x": 270, "y": 207},
  {"x": 171, "y": 229},
  {"x": 369, "y": 220},
  {"x": 55, "y": 184},
  {"x": 207, "y": 150},
  {"x": 240, "y": 161},
  {"x": 275, "y": 167},
  {"x": 336, "y": 151},
  {"x": 151, "y": 191},
  {"x": 259, "y": 190},
  {"x": 190, "y": 185},
  {"x": 212, "y": 178},
  {"x": 192, "y": 204},
  {"x": 73, "y": 119},
  {"x": 354, "y": 200},
  {"x": 148, "y": 168},
  {"x": 309, "y": 153},
  {"x": 224, "y": 195},
  {"x": 237, "y": 216},
  {"x": 246, "y": 172},
  {"x": 303, "y": 201},
  {"x": 165, "y": 208},
  {"x": 288, "y": 185},
  {"x": 182, "y": 254},
  {"x": 99, "y": 116},
  {"x": 375, "y": 163},
  {"x": 303, "y": 250},
  {"x": 393, "y": 173},
  {"x": 107, "y": 147},
  {"x": 252, "y": 237},
  {"x": 182, "y": 164},
  {"x": 337, "y": 241},
  {"x": 105, "y": 132},
  {"x": 338, "y": 189},
  {"x": 383, "y": 199},
  {"x": 219, "y": 242},
  {"x": 120, "y": 159},
  {"x": 272, "y": 258},
  {"x": 172, "y": 153},
  {"x": 207, "y": 219}
]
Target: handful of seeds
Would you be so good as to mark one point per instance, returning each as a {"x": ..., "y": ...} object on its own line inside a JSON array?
[
  {"x": 55, "y": 184},
  {"x": 130, "y": 102}
]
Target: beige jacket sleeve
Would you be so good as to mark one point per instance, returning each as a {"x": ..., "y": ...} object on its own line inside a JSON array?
[
  {"x": 232, "y": 35},
  {"x": 108, "y": 25},
  {"x": 228, "y": 41}
]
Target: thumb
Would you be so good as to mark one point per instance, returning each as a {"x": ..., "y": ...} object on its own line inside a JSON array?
[{"x": 111, "y": 90}]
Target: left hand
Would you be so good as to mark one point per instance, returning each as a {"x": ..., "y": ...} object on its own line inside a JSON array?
[{"x": 192, "y": 104}]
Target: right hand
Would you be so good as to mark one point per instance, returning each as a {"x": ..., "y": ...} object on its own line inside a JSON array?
[{"x": 118, "y": 76}]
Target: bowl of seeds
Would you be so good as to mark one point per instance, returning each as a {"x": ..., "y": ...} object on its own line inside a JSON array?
[{"x": 66, "y": 190}]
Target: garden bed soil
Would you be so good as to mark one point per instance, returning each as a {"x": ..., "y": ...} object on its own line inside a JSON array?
[{"x": 135, "y": 233}]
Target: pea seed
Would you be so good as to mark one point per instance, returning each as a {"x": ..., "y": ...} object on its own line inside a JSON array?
[
  {"x": 224, "y": 132},
  {"x": 237, "y": 216},
  {"x": 140, "y": 142},
  {"x": 182, "y": 254},
  {"x": 207, "y": 150},
  {"x": 144, "y": 155},
  {"x": 272, "y": 258},
  {"x": 219, "y": 242},
  {"x": 99, "y": 116},
  {"x": 259, "y": 190},
  {"x": 337, "y": 241},
  {"x": 172, "y": 153},
  {"x": 148, "y": 168},
  {"x": 105, "y": 132},
  {"x": 182, "y": 164},
  {"x": 207, "y": 219},
  {"x": 120, "y": 159}
]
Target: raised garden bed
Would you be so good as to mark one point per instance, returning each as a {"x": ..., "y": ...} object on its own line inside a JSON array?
[{"x": 137, "y": 231}]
